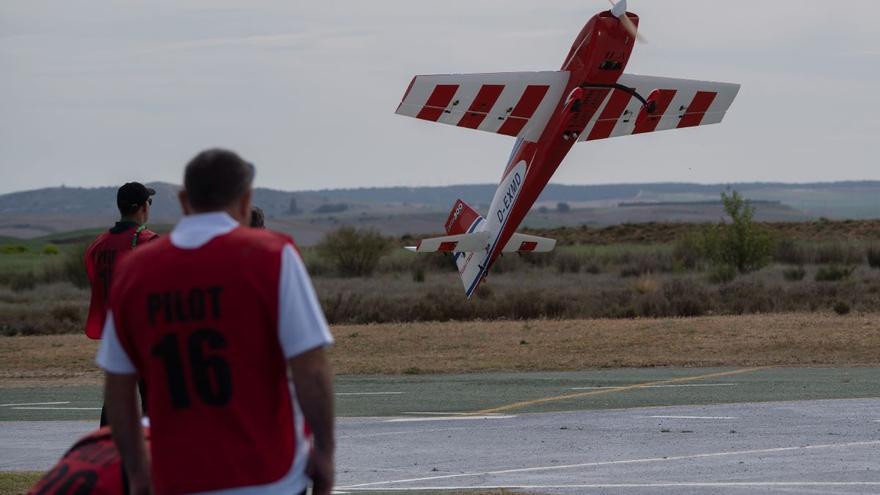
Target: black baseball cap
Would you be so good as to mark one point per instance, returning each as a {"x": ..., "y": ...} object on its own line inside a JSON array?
[{"x": 133, "y": 194}]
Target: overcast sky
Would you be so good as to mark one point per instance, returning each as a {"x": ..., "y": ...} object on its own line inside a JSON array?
[{"x": 98, "y": 93}]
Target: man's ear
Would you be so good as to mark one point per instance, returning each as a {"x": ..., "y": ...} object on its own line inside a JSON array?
[{"x": 184, "y": 202}]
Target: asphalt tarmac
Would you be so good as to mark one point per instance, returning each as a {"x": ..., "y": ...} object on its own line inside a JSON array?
[
  {"x": 822, "y": 446},
  {"x": 682, "y": 431}
]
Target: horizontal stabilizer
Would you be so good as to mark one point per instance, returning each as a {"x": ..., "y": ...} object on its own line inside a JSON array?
[
  {"x": 462, "y": 243},
  {"x": 522, "y": 243}
]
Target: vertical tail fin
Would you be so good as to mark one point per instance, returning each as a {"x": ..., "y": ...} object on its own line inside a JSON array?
[
  {"x": 461, "y": 219},
  {"x": 465, "y": 220}
]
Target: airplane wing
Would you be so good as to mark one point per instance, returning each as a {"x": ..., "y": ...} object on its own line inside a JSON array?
[
  {"x": 512, "y": 103},
  {"x": 678, "y": 103}
]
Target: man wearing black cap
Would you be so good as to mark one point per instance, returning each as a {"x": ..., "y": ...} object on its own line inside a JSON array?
[{"x": 133, "y": 200}]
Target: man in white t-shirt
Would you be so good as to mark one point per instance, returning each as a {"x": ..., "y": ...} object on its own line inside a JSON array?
[{"x": 214, "y": 317}]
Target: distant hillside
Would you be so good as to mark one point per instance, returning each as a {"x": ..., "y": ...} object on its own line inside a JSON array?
[{"x": 398, "y": 210}]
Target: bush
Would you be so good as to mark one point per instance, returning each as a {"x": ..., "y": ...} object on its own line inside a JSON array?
[
  {"x": 567, "y": 262},
  {"x": 744, "y": 244},
  {"x": 51, "y": 250},
  {"x": 690, "y": 251},
  {"x": 353, "y": 252},
  {"x": 873, "y": 255},
  {"x": 70, "y": 268},
  {"x": 686, "y": 298},
  {"x": 833, "y": 273},
  {"x": 841, "y": 308},
  {"x": 23, "y": 281},
  {"x": 67, "y": 312},
  {"x": 839, "y": 253},
  {"x": 13, "y": 249},
  {"x": 722, "y": 274},
  {"x": 789, "y": 252},
  {"x": 794, "y": 274}
]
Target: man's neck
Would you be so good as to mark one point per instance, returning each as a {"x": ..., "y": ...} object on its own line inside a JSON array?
[{"x": 130, "y": 220}]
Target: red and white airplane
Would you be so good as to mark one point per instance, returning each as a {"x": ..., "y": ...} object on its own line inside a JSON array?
[{"x": 590, "y": 98}]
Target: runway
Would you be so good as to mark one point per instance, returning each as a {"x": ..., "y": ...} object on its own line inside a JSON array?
[
  {"x": 668, "y": 431},
  {"x": 825, "y": 446}
]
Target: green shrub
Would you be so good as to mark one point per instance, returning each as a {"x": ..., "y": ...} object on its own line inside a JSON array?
[
  {"x": 354, "y": 252},
  {"x": 690, "y": 251},
  {"x": 70, "y": 268},
  {"x": 722, "y": 274},
  {"x": 51, "y": 250},
  {"x": 744, "y": 244},
  {"x": 794, "y": 274},
  {"x": 13, "y": 249},
  {"x": 418, "y": 273},
  {"x": 841, "y": 308},
  {"x": 833, "y": 273},
  {"x": 790, "y": 252},
  {"x": 873, "y": 255}
]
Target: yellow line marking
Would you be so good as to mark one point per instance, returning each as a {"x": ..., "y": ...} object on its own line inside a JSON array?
[{"x": 624, "y": 388}]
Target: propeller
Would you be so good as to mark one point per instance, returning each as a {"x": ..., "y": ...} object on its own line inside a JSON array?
[{"x": 619, "y": 10}]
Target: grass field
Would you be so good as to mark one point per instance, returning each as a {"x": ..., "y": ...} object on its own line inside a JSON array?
[{"x": 537, "y": 345}]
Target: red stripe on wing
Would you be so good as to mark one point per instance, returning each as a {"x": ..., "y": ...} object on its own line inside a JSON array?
[
  {"x": 647, "y": 122},
  {"x": 437, "y": 102},
  {"x": 609, "y": 116},
  {"x": 528, "y": 246},
  {"x": 447, "y": 247},
  {"x": 523, "y": 110},
  {"x": 697, "y": 109},
  {"x": 483, "y": 102}
]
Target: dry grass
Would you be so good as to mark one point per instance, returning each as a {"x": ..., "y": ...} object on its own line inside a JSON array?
[
  {"x": 460, "y": 347},
  {"x": 18, "y": 483}
]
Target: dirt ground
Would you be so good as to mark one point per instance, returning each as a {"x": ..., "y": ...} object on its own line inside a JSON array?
[{"x": 456, "y": 347}]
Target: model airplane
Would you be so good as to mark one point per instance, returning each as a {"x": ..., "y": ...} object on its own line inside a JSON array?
[{"x": 590, "y": 98}]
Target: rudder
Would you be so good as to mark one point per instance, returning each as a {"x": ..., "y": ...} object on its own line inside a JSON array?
[{"x": 461, "y": 219}]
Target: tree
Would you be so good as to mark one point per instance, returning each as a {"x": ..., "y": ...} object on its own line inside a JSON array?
[
  {"x": 563, "y": 207},
  {"x": 353, "y": 252},
  {"x": 742, "y": 243}
]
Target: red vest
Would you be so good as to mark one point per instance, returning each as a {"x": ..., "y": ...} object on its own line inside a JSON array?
[
  {"x": 100, "y": 260},
  {"x": 91, "y": 467},
  {"x": 201, "y": 327}
]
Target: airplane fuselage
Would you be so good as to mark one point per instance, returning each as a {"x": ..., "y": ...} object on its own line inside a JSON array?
[{"x": 595, "y": 62}]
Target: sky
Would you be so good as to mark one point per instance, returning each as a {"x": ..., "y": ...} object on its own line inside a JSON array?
[{"x": 97, "y": 93}]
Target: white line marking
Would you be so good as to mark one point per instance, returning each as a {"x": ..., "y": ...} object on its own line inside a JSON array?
[
  {"x": 693, "y": 417},
  {"x": 627, "y": 461},
  {"x": 664, "y": 386},
  {"x": 369, "y": 393},
  {"x": 732, "y": 484},
  {"x": 35, "y": 404},
  {"x": 427, "y": 413},
  {"x": 450, "y": 418},
  {"x": 57, "y": 408}
]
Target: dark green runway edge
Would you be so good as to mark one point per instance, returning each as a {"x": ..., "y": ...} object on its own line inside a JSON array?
[{"x": 396, "y": 395}]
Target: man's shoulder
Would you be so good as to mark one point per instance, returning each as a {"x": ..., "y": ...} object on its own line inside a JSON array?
[
  {"x": 262, "y": 238},
  {"x": 147, "y": 235}
]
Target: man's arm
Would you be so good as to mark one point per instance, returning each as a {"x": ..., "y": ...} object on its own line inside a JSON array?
[
  {"x": 314, "y": 391},
  {"x": 124, "y": 416}
]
